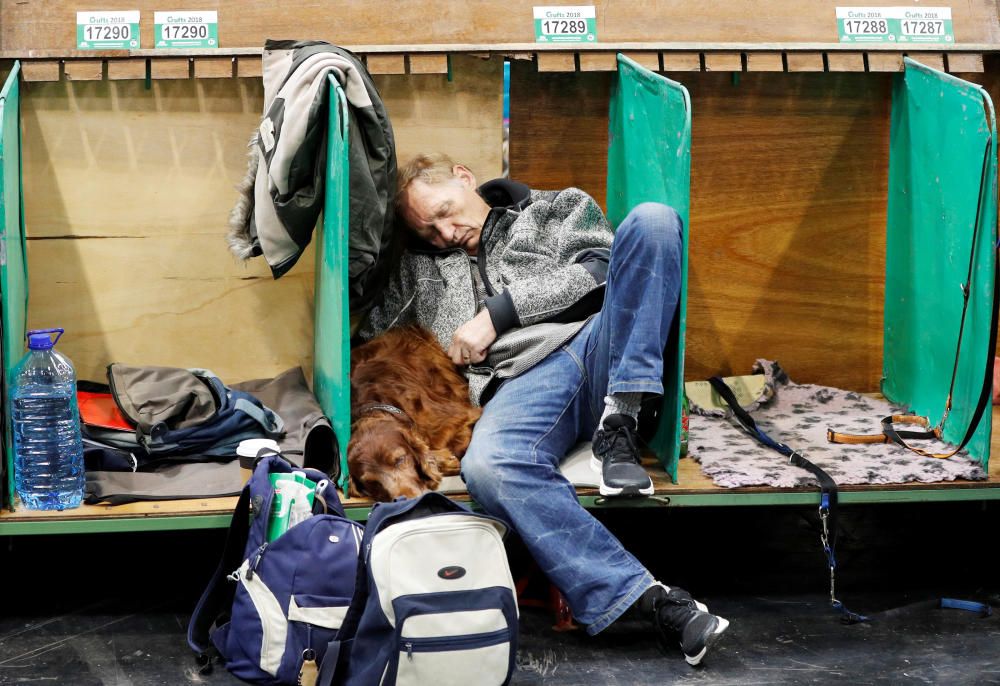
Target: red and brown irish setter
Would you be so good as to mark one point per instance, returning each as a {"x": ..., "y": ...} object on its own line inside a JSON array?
[{"x": 412, "y": 420}]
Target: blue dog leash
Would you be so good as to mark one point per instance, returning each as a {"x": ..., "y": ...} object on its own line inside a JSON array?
[
  {"x": 828, "y": 514},
  {"x": 828, "y": 493}
]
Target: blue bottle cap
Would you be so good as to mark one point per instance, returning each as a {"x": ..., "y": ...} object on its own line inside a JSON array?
[{"x": 41, "y": 339}]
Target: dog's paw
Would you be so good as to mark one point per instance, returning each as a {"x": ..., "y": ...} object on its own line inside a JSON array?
[{"x": 447, "y": 463}]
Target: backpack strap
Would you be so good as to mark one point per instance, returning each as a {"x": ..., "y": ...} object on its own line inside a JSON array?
[
  {"x": 338, "y": 651},
  {"x": 218, "y": 597},
  {"x": 332, "y": 663},
  {"x": 327, "y": 495},
  {"x": 349, "y": 627}
]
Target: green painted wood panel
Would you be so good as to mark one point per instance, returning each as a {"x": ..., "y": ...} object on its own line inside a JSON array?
[
  {"x": 13, "y": 258},
  {"x": 649, "y": 160},
  {"x": 332, "y": 358},
  {"x": 942, "y": 181}
]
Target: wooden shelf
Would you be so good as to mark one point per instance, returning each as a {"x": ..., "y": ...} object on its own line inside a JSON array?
[
  {"x": 518, "y": 49},
  {"x": 54, "y": 65},
  {"x": 137, "y": 65},
  {"x": 693, "y": 490},
  {"x": 82, "y": 139}
]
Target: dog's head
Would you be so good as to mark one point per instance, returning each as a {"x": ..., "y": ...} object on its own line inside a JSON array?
[{"x": 387, "y": 458}]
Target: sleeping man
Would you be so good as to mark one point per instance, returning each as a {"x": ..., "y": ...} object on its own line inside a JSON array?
[{"x": 560, "y": 326}]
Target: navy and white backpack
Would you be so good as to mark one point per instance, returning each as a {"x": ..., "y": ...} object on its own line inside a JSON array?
[
  {"x": 284, "y": 600},
  {"x": 435, "y": 602}
]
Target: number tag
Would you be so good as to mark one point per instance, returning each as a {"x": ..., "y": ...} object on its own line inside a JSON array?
[
  {"x": 565, "y": 24},
  {"x": 183, "y": 29},
  {"x": 895, "y": 25},
  {"x": 107, "y": 30},
  {"x": 925, "y": 25},
  {"x": 865, "y": 25}
]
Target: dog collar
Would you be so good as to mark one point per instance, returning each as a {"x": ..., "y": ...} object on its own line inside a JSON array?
[{"x": 381, "y": 407}]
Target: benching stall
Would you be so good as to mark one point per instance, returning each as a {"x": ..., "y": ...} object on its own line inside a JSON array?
[
  {"x": 628, "y": 137},
  {"x": 942, "y": 207},
  {"x": 646, "y": 108}
]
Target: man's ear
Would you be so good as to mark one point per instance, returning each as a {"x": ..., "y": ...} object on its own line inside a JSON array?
[{"x": 465, "y": 175}]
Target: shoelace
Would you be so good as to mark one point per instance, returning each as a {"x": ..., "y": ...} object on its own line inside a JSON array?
[
  {"x": 676, "y": 601},
  {"x": 612, "y": 441}
]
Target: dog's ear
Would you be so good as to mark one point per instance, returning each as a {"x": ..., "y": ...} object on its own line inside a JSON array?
[{"x": 353, "y": 490}]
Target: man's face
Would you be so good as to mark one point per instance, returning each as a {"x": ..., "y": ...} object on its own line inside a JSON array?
[{"x": 449, "y": 214}]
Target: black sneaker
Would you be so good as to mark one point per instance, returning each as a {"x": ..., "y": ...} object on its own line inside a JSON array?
[
  {"x": 678, "y": 616},
  {"x": 616, "y": 458}
]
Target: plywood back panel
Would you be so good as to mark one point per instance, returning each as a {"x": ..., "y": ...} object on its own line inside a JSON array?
[
  {"x": 127, "y": 192},
  {"x": 171, "y": 300},
  {"x": 787, "y": 209}
]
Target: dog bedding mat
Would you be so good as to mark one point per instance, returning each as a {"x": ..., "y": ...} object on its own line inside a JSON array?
[{"x": 799, "y": 415}]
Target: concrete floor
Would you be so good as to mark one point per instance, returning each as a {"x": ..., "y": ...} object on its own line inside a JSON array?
[{"x": 112, "y": 609}]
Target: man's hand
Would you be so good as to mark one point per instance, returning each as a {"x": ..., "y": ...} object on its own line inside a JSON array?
[{"x": 472, "y": 340}]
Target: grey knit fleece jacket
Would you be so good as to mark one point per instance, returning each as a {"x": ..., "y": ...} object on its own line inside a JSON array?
[{"x": 541, "y": 268}]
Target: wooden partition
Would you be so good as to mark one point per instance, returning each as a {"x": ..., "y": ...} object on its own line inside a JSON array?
[
  {"x": 127, "y": 192},
  {"x": 788, "y": 203}
]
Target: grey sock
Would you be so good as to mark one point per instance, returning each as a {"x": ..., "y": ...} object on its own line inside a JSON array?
[{"x": 622, "y": 403}]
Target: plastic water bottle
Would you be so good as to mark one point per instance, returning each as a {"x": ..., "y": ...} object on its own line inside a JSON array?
[{"x": 48, "y": 449}]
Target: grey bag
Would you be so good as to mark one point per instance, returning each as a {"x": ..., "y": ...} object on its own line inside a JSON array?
[
  {"x": 309, "y": 439},
  {"x": 183, "y": 412}
]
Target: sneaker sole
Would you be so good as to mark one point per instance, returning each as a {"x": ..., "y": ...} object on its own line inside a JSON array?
[
  {"x": 611, "y": 491},
  {"x": 695, "y": 660}
]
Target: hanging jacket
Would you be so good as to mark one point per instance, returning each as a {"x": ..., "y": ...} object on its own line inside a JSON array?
[{"x": 283, "y": 191}]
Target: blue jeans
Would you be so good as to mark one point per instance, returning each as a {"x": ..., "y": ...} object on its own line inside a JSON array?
[{"x": 512, "y": 465}]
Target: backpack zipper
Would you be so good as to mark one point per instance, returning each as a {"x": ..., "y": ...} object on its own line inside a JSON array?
[
  {"x": 258, "y": 598},
  {"x": 434, "y": 644},
  {"x": 256, "y": 561},
  {"x": 114, "y": 397}
]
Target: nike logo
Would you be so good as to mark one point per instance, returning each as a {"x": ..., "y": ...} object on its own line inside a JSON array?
[{"x": 451, "y": 572}]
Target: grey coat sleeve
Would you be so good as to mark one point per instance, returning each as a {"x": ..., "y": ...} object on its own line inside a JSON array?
[{"x": 561, "y": 256}]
